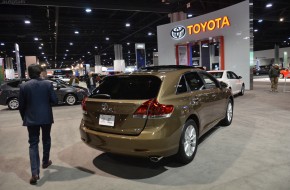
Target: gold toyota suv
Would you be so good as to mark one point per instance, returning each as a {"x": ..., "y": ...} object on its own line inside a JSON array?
[{"x": 155, "y": 112}]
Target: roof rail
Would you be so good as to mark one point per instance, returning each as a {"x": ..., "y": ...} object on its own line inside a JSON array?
[{"x": 165, "y": 67}]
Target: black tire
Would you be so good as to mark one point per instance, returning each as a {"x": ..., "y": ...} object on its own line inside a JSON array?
[
  {"x": 188, "y": 142},
  {"x": 229, "y": 114},
  {"x": 70, "y": 99},
  {"x": 13, "y": 104},
  {"x": 242, "y": 92}
]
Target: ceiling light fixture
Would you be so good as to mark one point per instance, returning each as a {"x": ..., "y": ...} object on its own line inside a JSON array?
[
  {"x": 2, "y": 44},
  {"x": 260, "y": 20},
  {"x": 128, "y": 25},
  {"x": 150, "y": 34},
  {"x": 107, "y": 38},
  {"x": 165, "y": 1},
  {"x": 76, "y": 32},
  {"x": 36, "y": 39},
  {"x": 281, "y": 19},
  {"x": 256, "y": 30},
  {"x": 190, "y": 15},
  {"x": 269, "y": 5},
  {"x": 71, "y": 43},
  {"x": 88, "y": 10},
  {"x": 27, "y": 21}
]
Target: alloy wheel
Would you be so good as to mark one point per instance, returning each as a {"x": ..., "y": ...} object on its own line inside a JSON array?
[
  {"x": 70, "y": 99},
  {"x": 230, "y": 112},
  {"x": 13, "y": 104},
  {"x": 190, "y": 140}
]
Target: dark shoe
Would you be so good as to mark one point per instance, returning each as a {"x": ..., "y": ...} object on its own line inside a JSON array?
[
  {"x": 46, "y": 165},
  {"x": 33, "y": 179}
]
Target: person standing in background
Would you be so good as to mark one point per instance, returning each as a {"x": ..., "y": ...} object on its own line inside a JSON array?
[
  {"x": 36, "y": 98},
  {"x": 74, "y": 81},
  {"x": 91, "y": 82},
  {"x": 274, "y": 73}
]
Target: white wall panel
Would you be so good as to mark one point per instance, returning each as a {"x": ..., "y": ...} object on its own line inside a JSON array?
[{"x": 236, "y": 38}]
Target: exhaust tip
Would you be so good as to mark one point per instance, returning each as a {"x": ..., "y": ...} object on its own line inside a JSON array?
[{"x": 155, "y": 158}]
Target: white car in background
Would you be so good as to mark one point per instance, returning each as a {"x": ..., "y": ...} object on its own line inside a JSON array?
[{"x": 234, "y": 81}]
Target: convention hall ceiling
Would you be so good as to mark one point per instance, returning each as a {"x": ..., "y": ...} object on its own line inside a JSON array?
[{"x": 63, "y": 33}]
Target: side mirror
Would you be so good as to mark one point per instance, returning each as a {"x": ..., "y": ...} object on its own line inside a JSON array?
[{"x": 223, "y": 84}]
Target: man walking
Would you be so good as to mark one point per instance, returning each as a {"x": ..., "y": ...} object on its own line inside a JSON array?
[
  {"x": 274, "y": 73},
  {"x": 91, "y": 82},
  {"x": 35, "y": 106}
]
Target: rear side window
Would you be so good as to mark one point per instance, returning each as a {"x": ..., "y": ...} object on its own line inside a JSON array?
[
  {"x": 128, "y": 87},
  {"x": 182, "y": 87},
  {"x": 232, "y": 75}
]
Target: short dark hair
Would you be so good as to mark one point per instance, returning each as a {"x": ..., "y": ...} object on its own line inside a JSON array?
[{"x": 34, "y": 71}]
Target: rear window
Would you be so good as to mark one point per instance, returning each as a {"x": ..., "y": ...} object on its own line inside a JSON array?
[
  {"x": 13, "y": 84},
  {"x": 128, "y": 87}
]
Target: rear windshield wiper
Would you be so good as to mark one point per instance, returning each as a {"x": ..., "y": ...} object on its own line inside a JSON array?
[{"x": 101, "y": 96}]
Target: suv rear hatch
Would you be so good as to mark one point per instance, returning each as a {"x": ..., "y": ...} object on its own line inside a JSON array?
[{"x": 117, "y": 104}]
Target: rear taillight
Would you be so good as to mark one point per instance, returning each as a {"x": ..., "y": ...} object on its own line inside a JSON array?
[
  {"x": 84, "y": 105},
  {"x": 153, "y": 109}
]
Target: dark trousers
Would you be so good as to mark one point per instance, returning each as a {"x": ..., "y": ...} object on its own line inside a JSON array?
[
  {"x": 34, "y": 132},
  {"x": 274, "y": 83}
]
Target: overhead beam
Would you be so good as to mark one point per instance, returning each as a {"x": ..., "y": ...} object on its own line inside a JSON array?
[{"x": 141, "y": 6}]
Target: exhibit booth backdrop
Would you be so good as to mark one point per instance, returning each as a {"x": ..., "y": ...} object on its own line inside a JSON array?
[{"x": 231, "y": 23}]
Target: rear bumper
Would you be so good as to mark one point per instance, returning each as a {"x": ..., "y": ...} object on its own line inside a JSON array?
[{"x": 147, "y": 144}]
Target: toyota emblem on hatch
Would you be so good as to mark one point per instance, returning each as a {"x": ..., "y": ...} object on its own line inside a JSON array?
[{"x": 105, "y": 106}]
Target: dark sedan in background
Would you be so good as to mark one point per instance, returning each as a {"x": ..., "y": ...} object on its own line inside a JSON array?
[
  {"x": 9, "y": 93},
  {"x": 262, "y": 70}
]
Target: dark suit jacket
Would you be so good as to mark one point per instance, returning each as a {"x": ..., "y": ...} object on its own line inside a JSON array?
[{"x": 35, "y": 100}]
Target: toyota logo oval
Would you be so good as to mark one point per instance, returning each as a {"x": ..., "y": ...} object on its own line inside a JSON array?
[
  {"x": 105, "y": 106},
  {"x": 178, "y": 32}
]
